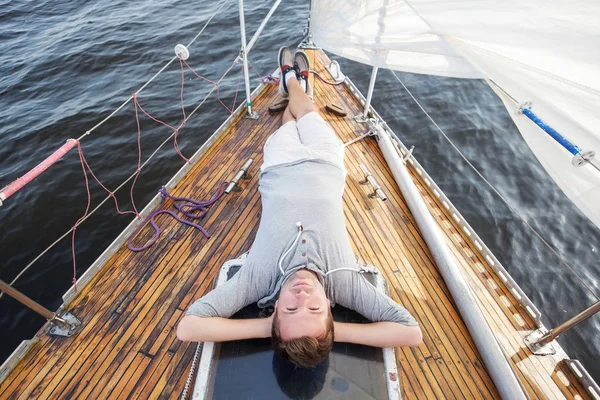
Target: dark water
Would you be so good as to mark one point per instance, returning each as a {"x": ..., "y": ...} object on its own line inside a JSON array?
[{"x": 65, "y": 65}]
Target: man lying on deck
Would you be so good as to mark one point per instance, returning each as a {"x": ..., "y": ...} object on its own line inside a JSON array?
[{"x": 301, "y": 260}]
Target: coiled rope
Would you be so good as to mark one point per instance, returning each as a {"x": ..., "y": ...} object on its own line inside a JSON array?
[
  {"x": 193, "y": 209},
  {"x": 513, "y": 209}
]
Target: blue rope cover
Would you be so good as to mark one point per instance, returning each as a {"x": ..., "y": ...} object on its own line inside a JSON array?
[{"x": 550, "y": 131}]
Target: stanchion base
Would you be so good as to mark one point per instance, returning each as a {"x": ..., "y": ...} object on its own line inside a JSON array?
[
  {"x": 361, "y": 119},
  {"x": 531, "y": 343},
  {"x": 252, "y": 115},
  {"x": 66, "y": 331}
]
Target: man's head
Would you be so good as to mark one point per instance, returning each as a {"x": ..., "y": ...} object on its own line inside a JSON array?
[{"x": 302, "y": 324}]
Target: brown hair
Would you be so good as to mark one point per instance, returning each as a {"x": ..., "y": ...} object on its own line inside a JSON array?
[{"x": 306, "y": 351}]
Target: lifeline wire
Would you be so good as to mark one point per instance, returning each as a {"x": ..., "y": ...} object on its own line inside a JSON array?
[
  {"x": 132, "y": 176},
  {"x": 513, "y": 209}
]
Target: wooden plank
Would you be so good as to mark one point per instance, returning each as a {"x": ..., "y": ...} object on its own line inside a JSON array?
[
  {"x": 145, "y": 262},
  {"x": 75, "y": 356},
  {"x": 502, "y": 322},
  {"x": 312, "y": 61},
  {"x": 385, "y": 228}
]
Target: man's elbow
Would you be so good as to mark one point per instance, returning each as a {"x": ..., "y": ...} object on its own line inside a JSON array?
[
  {"x": 415, "y": 337},
  {"x": 184, "y": 330}
]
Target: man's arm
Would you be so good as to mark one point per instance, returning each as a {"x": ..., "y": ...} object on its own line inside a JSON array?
[
  {"x": 378, "y": 334},
  {"x": 207, "y": 318},
  {"x": 216, "y": 329}
]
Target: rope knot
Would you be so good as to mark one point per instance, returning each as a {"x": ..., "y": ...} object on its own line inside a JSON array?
[
  {"x": 269, "y": 79},
  {"x": 163, "y": 192}
]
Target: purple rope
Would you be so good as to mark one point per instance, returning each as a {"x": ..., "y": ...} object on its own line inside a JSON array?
[
  {"x": 191, "y": 208},
  {"x": 269, "y": 79}
]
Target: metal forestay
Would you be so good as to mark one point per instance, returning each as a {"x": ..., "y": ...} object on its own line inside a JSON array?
[
  {"x": 71, "y": 143},
  {"x": 513, "y": 209}
]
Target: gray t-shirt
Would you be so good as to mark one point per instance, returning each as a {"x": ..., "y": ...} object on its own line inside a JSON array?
[{"x": 309, "y": 192}]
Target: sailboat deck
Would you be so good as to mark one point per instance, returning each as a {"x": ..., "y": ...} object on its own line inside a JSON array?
[{"x": 127, "y": 347}]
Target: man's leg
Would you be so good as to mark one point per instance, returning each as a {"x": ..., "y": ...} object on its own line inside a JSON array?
[
  {"x": 300, "y": 104},
  {"x": 284, "y": 146},
  {"x": 314, "y": 132},
  {"x": 287, "y": 116}
]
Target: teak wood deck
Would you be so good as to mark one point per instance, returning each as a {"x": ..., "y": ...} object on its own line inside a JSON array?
[{"x": 127, "y": 347}]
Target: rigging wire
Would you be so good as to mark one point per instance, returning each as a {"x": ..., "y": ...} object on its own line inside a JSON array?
[{"x": 513, "y": 209}]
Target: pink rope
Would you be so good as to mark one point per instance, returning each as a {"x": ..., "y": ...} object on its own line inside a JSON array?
[
  {"x": 139, "y": 142},
  {"x": 175, "y": 144},
  {"x": 237, "y": 87},
  {"x": 87, "y": 209},
  {"x": 37, "y": 170},
  {"x": 264, "y": 79},
  {"x": 181, "y": 94},
  {"x": 111, "y": 194},
  {"x": 216, "y": 84},
  {"x": 158, "y": 121}
]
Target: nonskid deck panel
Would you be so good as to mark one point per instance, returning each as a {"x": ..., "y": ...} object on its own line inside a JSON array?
[{"x": 128, "y": 347}]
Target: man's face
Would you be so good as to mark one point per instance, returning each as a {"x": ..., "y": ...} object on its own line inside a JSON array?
[{"x": 303, "y": 307}]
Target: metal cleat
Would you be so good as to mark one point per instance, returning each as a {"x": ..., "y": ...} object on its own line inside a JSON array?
[
  {"x": 369, "y": 179},
  {"x": 242, "y": 174},
  {"x": 532, "y": 342},
  {"x": 336, "y": 72}
]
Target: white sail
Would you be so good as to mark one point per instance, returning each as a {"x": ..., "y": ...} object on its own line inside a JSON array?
[{"x": 543, "y": 51}]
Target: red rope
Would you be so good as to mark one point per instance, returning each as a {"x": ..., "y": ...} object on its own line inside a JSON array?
[
  {"x": 87, "y": 209},
  {"x": 158, "y": 121},
  {"x": 111, "y": 194},
  {"x": 181, "y": 94},
  {"x": 237, "y": 87},
  {"x": 216, "y": 84},
  {"x": 139, "y": 164},
  {"x": 262, "y": 78}
]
